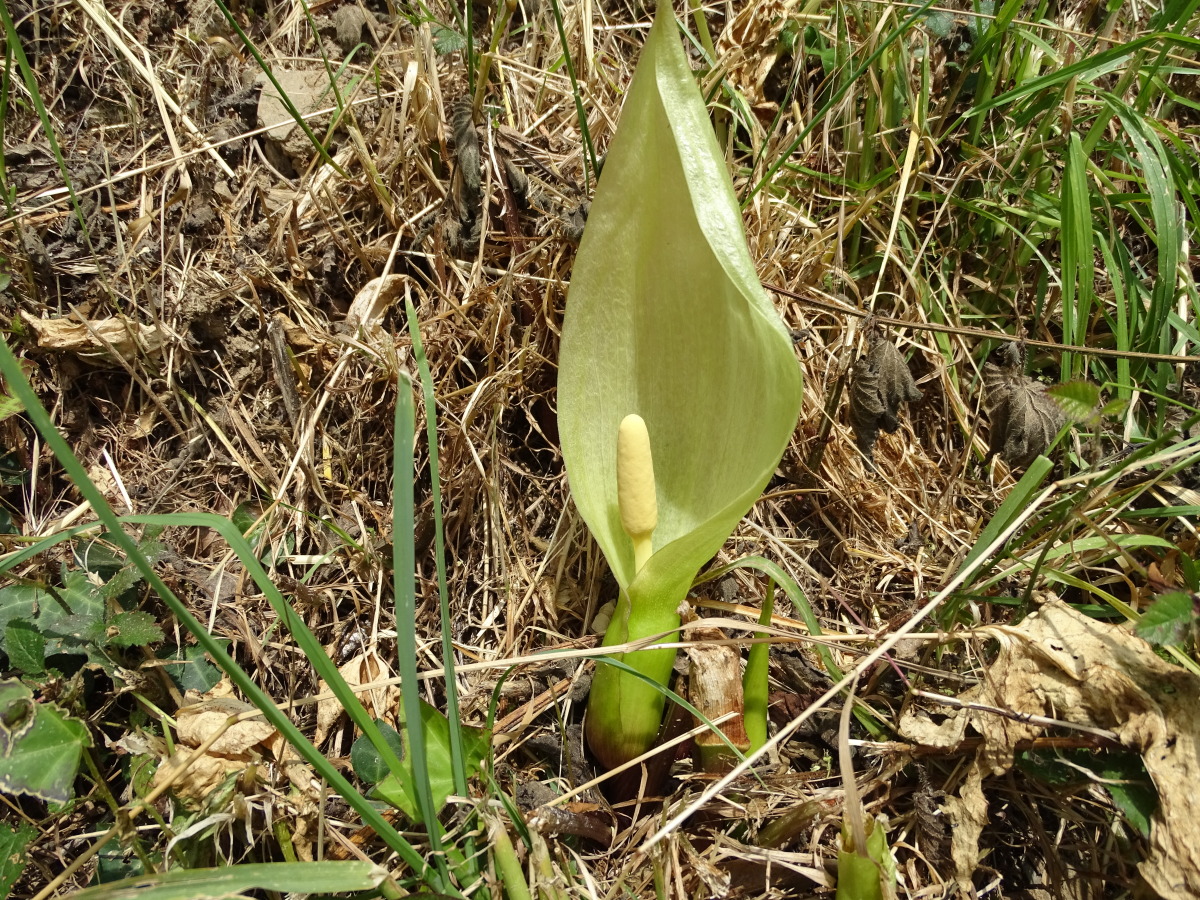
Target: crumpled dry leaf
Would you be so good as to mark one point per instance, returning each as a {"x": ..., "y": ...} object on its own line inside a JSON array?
[
  {"x": 197, "y": 722},
  {"x": 1062, "y": 664},
  {"x": 127, "y": 337},
  {"x": 1025, "y": 418},
  {"x": 750, "y": 47},
  {"x": 880, "y": 383},
  {"x": 380, "y": 703},
  {"x": 373, "y": 300},
  {"x": 233, "y": 751}
]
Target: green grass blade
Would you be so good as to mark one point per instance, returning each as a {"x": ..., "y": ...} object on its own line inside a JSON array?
[
  {"x": 439, "y": 538},
  {"x": 1078, "y": 268},
  {"x": 404, "y": 590}
]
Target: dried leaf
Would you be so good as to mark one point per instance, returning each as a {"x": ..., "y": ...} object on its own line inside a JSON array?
[
  {"x": 1024, "y": 417},
  {"x": 1062, "y": 664},
  {"x": 880, "y": 384},
  {"x": 380, "y": 703},
  {"x": 199, "y": 720},
  {"x": 465, "y": 191},
  {"x": 92, "y": 339}
]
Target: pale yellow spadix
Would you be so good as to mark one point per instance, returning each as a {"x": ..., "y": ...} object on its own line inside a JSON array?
[{"x": 635, "y": 487}]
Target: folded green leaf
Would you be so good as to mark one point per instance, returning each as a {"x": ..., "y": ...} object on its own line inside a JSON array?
[
  {"x": 398, "y": 788},
  {"x": 666, "y": 318}
]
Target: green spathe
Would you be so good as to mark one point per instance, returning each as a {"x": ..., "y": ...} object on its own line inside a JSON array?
[{"x": 666, "y": 318}]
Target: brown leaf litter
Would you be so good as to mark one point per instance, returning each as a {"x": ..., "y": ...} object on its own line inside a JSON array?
[{"x": 1063, "y": 664}]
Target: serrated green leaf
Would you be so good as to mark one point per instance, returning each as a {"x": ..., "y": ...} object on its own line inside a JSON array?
[
  {"x": 43, "y": 760},
  {"x": 1167, "y": 619},
  {"x": 9, "y": 407},
  {"x": 1078, "y": 399},
  {"x": 26, "y": 647},
  {"x": 368, "y": 764},
  {"x": 18, "y": 603},
  {"x": 132, "y": 629},
  {"x": 447, "y": 40},
  {"x": 666, "y": 318},
  {"x": 229, "y": 881},
  {"x": 397, "y": 787},
  {"x": 14, "y": 846}
]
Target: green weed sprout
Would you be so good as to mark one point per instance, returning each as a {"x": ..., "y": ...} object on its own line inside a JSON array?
[{"x": 667, "y": 323}]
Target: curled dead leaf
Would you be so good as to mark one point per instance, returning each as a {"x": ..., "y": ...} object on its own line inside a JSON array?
[
  {"x": 93, "y": 338},
  {"x": 198, "y": 722},
  {"x": 362, "y": 669},
  {"x": 1024, "y": 417},
  {"x": 881, "y": 382}
]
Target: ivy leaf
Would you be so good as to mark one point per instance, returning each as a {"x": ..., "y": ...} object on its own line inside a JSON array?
[
  {"x": 192, "y": 671},
  {"x": 72, "y": 615},
  {"x": 14, "y": 848},
  {"x": 41, "y": 752},
  {"x": 18, "y": 603},
  {"x": 368, "y": 764},
  {"x": 397, "y": 788}
]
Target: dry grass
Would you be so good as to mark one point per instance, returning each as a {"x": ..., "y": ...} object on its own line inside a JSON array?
[{"x": 208, "y": 231}]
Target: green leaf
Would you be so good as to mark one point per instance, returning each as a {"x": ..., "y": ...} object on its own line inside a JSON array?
[
  {"x": 193, "y": 671},
  {"x": 1078, "y": 266},
  {"x": 14, "y": 845},
  {"x": 869, "y": 875},
  {"x": 132, "y": 629},
  {"x": 1167, "y": 619},
  {"x": 9, "y": 407},
  {"x": 26, "y": 647},
  {"x": 447, "y": 40},
  {"x": 18, "y": 603},
  {"x": 368, "y": 764},
  {"x": 397, "y": 787},
  {"x": 245, "y": 517},
  {"x": 40, "y": 759},
  {"x": 228, "y": 881},
  {"x": 17, "y": 712},
  {"x": 1078, "y": 399},
  {"x": 1133, "y": 793},
  {"x": 1122, "y": 773},
  {"x": 72, "y": 615},
  {"x": 666, "y": 318}
]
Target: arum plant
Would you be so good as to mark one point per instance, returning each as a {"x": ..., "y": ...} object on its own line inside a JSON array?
[{"x": 678, "y": 387}]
